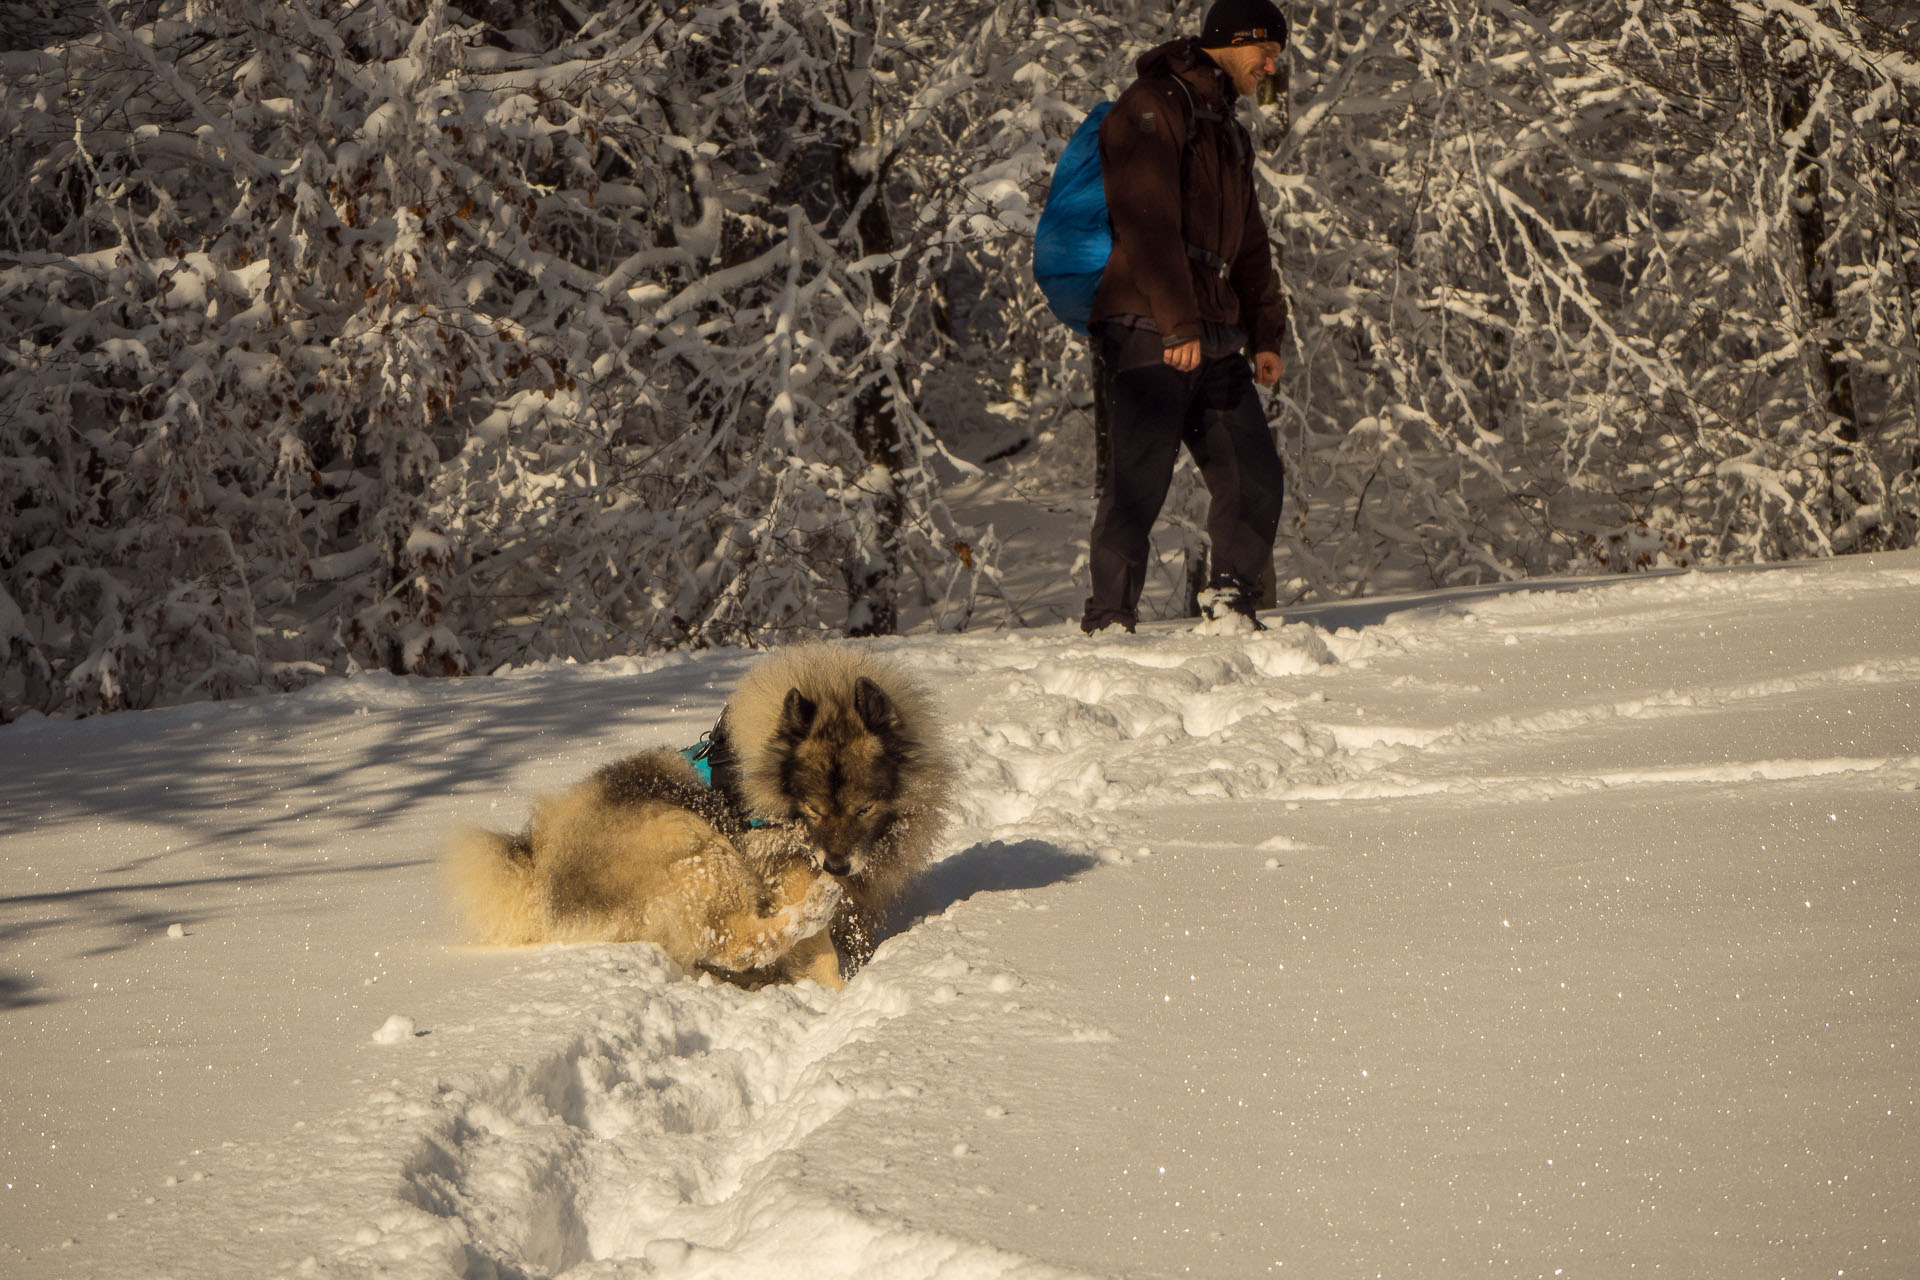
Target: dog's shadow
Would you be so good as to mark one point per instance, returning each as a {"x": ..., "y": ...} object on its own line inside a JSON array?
[{"x": 992, "y": 867}]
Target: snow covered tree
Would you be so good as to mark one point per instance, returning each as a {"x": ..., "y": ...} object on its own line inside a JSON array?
[
  {"x": 1803, "y": 119},
  {"x": 429, "y": 336},
  {"x": 1582, "y": 294}
]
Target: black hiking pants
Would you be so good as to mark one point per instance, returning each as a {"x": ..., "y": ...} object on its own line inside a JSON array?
[{"x": 1152, "y": 409}]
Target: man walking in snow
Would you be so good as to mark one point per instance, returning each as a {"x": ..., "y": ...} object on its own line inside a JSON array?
[{"x": 1189, "y": 291}]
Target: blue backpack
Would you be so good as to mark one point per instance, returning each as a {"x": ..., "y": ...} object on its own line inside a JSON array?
[{"x": 1075, "y": 236}]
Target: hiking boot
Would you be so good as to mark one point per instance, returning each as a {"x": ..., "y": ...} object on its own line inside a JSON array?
[
  {"x": 1227, "y": 609},
  {"x": 1096, "y": 621}
]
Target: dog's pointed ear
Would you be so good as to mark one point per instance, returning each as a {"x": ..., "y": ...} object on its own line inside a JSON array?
[
  {"x": 796, "y": 716},
  {"x": 875, "y": 708}
]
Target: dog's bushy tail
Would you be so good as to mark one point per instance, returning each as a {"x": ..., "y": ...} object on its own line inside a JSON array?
[{"x": 491, "y": 879}]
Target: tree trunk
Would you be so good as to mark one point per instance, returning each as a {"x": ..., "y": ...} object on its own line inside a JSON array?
[
  {"x": 872, "y": 607},
  {"x": 1833, "y": 377}
]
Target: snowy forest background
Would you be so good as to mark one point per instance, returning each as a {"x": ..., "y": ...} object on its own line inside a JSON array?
[{"x": 434, "y": 335}]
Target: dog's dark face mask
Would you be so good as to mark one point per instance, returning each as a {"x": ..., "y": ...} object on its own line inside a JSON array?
[{"x": 840, "y": 774}]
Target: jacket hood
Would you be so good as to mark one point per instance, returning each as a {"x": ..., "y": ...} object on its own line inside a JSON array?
[{"x": 1185, "y": 58}]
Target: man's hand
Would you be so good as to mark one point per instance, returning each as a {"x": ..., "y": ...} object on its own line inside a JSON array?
[
  {"x": 1267, "y": 368},
  {"x": 1185, "y": 357}
]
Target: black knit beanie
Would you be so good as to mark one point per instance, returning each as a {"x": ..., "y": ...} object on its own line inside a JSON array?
[{"x": 1231, "y": 22}]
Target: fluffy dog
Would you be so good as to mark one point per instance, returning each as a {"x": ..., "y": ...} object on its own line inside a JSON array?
[{"x": 829, "y": 790}]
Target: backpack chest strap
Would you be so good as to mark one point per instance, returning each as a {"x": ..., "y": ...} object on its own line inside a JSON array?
[{"x": 1210, "y": 260}]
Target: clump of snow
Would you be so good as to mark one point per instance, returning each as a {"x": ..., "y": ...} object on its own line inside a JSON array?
[{"x": 397, "y": 1029}]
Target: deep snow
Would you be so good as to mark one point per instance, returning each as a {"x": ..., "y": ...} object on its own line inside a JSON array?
[{"x": 1557, "y": 930}]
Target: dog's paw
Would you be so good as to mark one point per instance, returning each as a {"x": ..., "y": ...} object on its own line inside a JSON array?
[{"x": 822, "y": 900}]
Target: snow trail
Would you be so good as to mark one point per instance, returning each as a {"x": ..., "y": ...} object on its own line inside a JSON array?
[{"x": 638, "y": 1137}]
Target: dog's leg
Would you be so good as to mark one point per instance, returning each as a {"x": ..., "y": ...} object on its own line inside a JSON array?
[
  {"x": 855, "y": 934},
  {"x": 744, "y": 941},
  {"x": 814, "y": 958}
]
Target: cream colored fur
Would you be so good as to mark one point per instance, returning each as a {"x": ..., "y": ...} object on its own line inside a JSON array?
[{"x": 593, "y": 871}]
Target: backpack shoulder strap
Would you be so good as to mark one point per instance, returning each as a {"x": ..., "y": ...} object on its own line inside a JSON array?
[
  {"x": 1195, "y": 112},
  {"x": 1242, "y": 147}
]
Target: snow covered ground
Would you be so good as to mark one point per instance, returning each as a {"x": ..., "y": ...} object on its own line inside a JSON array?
[{"x": 1571, "y": 930}]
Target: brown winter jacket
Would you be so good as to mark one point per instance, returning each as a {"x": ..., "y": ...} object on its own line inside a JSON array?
[{"x": 1142, "y": 142}]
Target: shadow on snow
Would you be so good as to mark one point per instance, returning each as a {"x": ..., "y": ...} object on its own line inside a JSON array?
[
  {"x": 991, "y": 867},
  {"x": 165, "y": 804}
]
